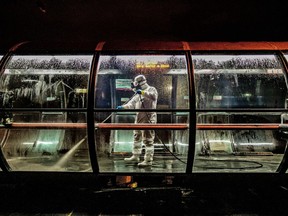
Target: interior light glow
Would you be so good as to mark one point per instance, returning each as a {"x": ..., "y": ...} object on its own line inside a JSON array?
[
  {"x": 152, "y": 65},
  {"x": 28, "y": 143},
  {"x": 183, "y": 144},
  {"x": 217, "y": 141},
  {"x": 45, "y": 142}
]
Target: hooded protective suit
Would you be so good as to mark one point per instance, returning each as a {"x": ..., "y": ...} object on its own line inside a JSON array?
[{"x": 146, "y": 98}]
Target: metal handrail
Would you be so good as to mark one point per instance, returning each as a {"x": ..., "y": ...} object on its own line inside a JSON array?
[
  {"x": 146, "y": 126},
  {"x": 124, "y": 126}
]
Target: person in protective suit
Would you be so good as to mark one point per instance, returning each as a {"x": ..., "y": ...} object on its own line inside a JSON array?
[{"x": 145, "y": 98}]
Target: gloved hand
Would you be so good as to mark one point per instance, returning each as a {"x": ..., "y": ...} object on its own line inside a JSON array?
[
  {"x": 119, "y": 107},
  {"x": 139, "y": 91}
]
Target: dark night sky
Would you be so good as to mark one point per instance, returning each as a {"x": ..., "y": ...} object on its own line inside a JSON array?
[{"x": 82, "y": 23}]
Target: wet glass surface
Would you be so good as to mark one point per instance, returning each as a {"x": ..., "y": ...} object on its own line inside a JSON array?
[
  {"x": 166, "y": 73},
  {"x": 37, "y": 84},
  {"x": 245, "y": 82}
]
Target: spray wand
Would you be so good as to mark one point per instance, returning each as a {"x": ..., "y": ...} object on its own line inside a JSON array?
[{"x": 122, "y": 104}]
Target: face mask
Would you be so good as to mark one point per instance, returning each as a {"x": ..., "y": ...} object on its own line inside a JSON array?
[{"x": 135, "y": 85}]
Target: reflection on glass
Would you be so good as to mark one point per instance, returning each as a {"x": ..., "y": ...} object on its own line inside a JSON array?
[
  {"x": 38, "y": 83},
  {"x": 47, "y": 150},
  {"x": 168, "y": 75},
  {"x": 47, "y": 81},
  {"x": 239, "y": 82},
  {"x": 231, "y": 82},
  {"x": 170, "y": 153}
]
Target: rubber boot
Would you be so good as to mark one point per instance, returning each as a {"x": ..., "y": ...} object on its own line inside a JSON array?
[
  {"x": 148, "y": 157},
  {"x": 145, "y": 163},
  {"x": 133, "y": 158}
]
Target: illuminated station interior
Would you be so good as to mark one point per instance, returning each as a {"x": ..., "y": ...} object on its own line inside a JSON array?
[
  {"x": 216, "y": 112},
  {"x": 221, "y": 122}
]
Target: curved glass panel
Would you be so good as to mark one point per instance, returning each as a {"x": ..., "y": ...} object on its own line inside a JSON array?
[
  {"x": 43, "y": 102},
  {"x": 160, "y": 141},
  {"x": 1, "y": 131},
  {"x": 237, "y": 118},
  {"x": 285, "y": 132}
]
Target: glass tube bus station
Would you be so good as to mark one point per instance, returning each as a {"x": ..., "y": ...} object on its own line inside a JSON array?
[{"x": 221, "y": 112}]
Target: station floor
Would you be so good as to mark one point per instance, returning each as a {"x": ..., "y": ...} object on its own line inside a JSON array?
[
  {"x": 211, "y": 163},
  {"x": 215, "y": 163}
]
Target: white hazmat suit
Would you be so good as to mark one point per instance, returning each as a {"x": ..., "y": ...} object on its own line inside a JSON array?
[{"x": 146, "y": 98}]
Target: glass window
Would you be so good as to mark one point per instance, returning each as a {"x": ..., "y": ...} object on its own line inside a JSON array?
[
  {"x": 234, "y": 91},
  {"x": 284, "y": 120},
  {"x": 44, "y": 94},
  {"x": 1, "y": 131},
  {"x": 157, "y": 84}
]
